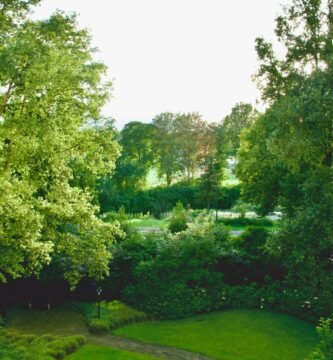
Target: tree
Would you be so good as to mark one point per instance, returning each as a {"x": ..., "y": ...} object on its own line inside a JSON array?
[
  {"x": 136, "y": 158},
  {"x": 50, "y": 88},
  {"x": 12, "y": 13},
  {"x": 190, "y": 130},
  {"x": 210, "y": 182},
  {"x": 212, "y": 164},
  {"x": 166, "y": 146},
  {"x": 242, "y": 116},
  {"x": 286, "y": 157}
]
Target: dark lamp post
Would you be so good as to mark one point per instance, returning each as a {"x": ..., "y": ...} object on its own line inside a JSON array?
[{"x": 99, "y": 292}]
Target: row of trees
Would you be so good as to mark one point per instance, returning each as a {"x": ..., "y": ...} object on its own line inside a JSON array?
[{"x": 179, "y": 146}]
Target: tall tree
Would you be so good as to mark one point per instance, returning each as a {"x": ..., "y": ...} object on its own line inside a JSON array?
[
  {"x": 50, "y": 87},
  {"x": 286, "y": 158},
  {"x": 137, "y": 156},
  {"x": 166, "y": 146},
  {"x": 212, "y": 165},
  {"x": 190, "y": 130},
  {"x": 242, "y": 117}
]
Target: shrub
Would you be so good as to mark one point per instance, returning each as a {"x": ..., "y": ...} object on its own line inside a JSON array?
[
  {"x": 178, "y": 219},
  {"x": 324, "y": 350},
  {"x": 80, "y": 339},
  {"x": 179, "y": 278},
  {"x": 113, "y": 314},
  {"x": 99, "y": 326},
  {"x": 252, "y": 241},
  {"x": 120, "y": 314},
  {"x": 46, "y": 347},
  {"x": 56, "y": 352}
]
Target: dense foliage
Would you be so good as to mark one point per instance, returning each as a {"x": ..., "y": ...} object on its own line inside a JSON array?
[
  {"x": 162, "y": 199},
  {"x": 46, "y": 347},
  {"x": 324, "y": 350},
  {"x": 50, "y": 88},
  {"x": 286, "y": 157}
]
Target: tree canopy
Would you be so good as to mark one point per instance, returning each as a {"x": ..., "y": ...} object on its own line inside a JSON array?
[
  {"x": 50, "y": 88},
  {"x": 286, "y": 157}
]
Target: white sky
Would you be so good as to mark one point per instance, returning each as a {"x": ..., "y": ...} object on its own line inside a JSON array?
[{"x": 175, "y": 55}]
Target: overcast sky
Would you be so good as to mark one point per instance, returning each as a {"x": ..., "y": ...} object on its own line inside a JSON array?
[{"x": 175, "y": 55}]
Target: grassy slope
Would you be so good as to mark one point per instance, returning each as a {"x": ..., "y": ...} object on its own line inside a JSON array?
[
  {"x": 230, "y": 335},
  {"x": 98, "y": 352},
  {"x": 56, "y": 321}
]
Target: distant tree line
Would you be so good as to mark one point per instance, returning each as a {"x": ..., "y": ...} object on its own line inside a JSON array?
[{"x": 180, "y": 147}]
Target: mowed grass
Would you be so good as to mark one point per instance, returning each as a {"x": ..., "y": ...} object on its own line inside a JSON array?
[
  {"x": 230, "y": 335},
  {"x": 56, "y": 321},
  {"x": 155, "y": 223},
  {"x": 98, "y": 352}
]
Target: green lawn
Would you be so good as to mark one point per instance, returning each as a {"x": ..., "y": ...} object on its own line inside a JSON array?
[
  {"x": 138, "y": 223},
  {"x": 98, "y": 352},
  {"x": 231, "y": 335},
  {"x": 56, "y": 321}
]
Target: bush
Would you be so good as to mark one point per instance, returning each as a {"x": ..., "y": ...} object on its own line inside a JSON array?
[
  {"x": 324, "y": 350},
  {"x": 113, "y": 314},
  {"x": 178, "y": 219},
  {"x": 179, "y": 277},
  {"x": 99, "y": 326},
  {"x": 47, "y": 347},
  {"x": 120, "y": 314},
  {"x": 252, "y": 242}
]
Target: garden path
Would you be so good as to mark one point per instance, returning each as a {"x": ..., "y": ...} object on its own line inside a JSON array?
[{"x": 158, "y": 351}]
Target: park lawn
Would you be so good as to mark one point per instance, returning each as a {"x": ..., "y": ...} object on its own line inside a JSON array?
[
  {"x": 56, "y": 321},
  {"x": 233, "y": 334},
  {"x": 98, "y": 352},
  {"x": 150, "y": 223}
]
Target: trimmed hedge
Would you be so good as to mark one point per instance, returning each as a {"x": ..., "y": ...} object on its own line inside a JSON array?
[
  {"x": 162, "y": 199},
  {"x": 242, "y": 221},
  {"x": 113, "y": 314}
]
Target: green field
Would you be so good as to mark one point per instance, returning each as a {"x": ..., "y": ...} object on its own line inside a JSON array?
[
  {"x": 150, "y": 223},
  {"x": 230, "y": 335},
  {"x": 98, "y": 352}
]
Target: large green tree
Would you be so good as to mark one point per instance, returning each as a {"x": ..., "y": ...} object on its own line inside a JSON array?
[
  {"x": 190, "y": 132},
  {"x": 241, "y": 117},
  {"x": 50, "y": 88},
  {"x": 286, "y": 157},
  {"x": 136, "y": 158},
  {"x": 166, "y": 146}
]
